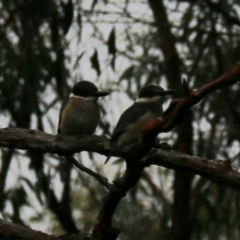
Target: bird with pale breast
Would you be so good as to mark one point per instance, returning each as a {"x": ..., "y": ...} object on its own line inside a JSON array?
[
  {"x": 80, "y": 113},
  {"x": 129, "y": 127}
]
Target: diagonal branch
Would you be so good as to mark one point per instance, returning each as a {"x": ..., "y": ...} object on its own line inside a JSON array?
[
  {"x": 105, "y": 227},
  {"x": 177, "y": 108},
  {"x": 101, "y": 179}
]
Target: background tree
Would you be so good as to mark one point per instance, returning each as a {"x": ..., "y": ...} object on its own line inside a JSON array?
[{"x": 46, "y": 46}]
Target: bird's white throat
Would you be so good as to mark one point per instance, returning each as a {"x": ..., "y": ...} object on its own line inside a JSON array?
[
  {"x": 148, "y": 100},
  {"x": 92, "y": 99}
]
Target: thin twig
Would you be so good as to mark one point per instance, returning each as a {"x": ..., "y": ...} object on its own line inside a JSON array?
[{"x": 101, "y": 179}]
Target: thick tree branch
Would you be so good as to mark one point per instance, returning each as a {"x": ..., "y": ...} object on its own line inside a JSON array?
[
  {"x": 219, "y": 171},
  {"x": 105, "y": 227},
  {"x": 13, "y": 231},
  {"x": 56, "y": 144},
  {"x": 9, "y": 231}
]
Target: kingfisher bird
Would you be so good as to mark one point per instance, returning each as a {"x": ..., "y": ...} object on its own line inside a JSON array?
[
  {"x": 129, "y": 127},
  {"x": 80, "y": 113}
]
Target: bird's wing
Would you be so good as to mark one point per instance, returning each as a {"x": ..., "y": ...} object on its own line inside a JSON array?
[
  {"x": 131, "y": 115},
  {"x": 60, "y": 114}
]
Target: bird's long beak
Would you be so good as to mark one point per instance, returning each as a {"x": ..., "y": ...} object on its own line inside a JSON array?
[
  {"x": 101, "y": 94},
  {"x": 168, "y": 92}
]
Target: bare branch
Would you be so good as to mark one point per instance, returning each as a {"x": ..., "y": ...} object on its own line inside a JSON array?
[
  {"x": 219, "y": 171},
  {"x": 10, "y": 231},
  {"x": 105, "y": 227},
  {"x": 177, "y": 108},
  {"x": 56, "y": 144},
  {"x": 13, "y": 231},
  {"x": 101, "y": 179}
]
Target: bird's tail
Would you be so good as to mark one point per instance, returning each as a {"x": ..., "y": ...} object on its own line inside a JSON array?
[
  {"x": 114, "y": 150},
  {"x": 109, "y": 156}
]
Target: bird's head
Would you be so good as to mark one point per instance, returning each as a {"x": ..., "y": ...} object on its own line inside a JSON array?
[
  {"x": 88, "y": 90},
  {"x": 153, "y": 92}
]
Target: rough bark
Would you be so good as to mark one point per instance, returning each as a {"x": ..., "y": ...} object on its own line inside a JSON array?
[
  {"x": 217, "y": 171},
  {"x": 9, "y": 231}
]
